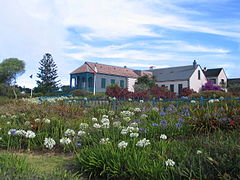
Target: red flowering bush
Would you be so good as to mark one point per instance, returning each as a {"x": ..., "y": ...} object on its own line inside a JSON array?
[
  {"x": 186, "y": 92},
  {"x": 161, "y": 92}
]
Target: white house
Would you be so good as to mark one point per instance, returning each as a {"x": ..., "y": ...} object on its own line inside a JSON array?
[
  {"x": 176, "y": 78},
  {"x": 96, "y": 76},
  {"x": 217, "y": 76}
]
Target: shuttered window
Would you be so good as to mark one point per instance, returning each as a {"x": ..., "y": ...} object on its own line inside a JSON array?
[
  {"x": 122, "y": 83},
  {"x": 103, "y": 83}
]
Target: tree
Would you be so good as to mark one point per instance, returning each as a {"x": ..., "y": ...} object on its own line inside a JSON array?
[
  {"x": 9, "y": 70},
  {"x": 145, "y": 82},
  {"x": 47, "y": 74}
]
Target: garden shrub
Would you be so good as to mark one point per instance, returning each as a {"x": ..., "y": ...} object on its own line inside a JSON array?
[
  {"x": 185, "y": 92},
  {"x": 208, "y": 86},
  {"x": 161, "y": 92},
  {"x": 211, "y": 95},
  {"x": 80, "y": 93}
]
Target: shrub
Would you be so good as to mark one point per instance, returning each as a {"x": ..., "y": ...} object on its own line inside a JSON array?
[
  {"x": 80, "y": 93},
  {"x": 210, "y": 87},
  {"x": 186, "y": 92},
  {"x": 210, "y": 95},
  {"x": 161, "y": 92}
]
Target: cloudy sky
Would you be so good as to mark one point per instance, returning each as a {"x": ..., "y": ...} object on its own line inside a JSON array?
[{"x": 135, "y": 33}]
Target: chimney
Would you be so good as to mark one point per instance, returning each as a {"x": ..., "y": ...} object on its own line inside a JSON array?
[
  {"x": 152, "y": 67},
  {"x": 194, "y": 63}
]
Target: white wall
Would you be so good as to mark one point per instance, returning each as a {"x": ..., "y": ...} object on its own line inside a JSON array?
[
  {"x": 108, "y": 81},
  {"x": 194, "y": 82},
  {"x": 175, "y": 83},
  {"x": 221, "y": 76},
  {"x": 130, "y": 84}
]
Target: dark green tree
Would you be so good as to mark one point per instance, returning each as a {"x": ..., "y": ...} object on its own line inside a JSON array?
[
  {"x": 144, "y": 83},
  {"x": 47, "y": 75},
  {"x": 10, "y": 69}
]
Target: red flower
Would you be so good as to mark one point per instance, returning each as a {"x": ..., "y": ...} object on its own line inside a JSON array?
[{"x": 232, "y": 123}]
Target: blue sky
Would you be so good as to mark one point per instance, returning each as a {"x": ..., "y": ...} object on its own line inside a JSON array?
[{"x": 135, "y": 33}]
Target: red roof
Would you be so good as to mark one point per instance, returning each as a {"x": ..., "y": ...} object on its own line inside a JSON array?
[{"x": 106, "y": 69}]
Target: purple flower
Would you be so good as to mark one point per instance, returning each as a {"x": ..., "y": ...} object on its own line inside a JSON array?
[
  {"x": 137, "y": 121},
  {"x": 162, "y": 113},
  {"x": 143, "y": 130},
  {"x": 12, "y": 131},
  {"x": 178, "y": 125},
  {"x": 155, "y": 125},
  {"x": 163, "y": 123},
  {"x": 181, "y": 120},
  {"x": 78, "y": 144}
]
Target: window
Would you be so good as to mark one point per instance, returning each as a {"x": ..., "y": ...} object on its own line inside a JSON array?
[
  {"x": 222, "y": 81},
  {"x": 103, "y": 83},
  {"x": 172, "y": 87},
  {"x": 90, "y": 82},
  {"x": 112, "y": 81},
  {"x": 122, "y": 83},
  {"x": 199, "y": 75},
  {"x": 180, "y": 88},
  {"x": 213, "y": 81},
  {"x": 163, "y": 85},
  {"x": 82, "y": 83}
]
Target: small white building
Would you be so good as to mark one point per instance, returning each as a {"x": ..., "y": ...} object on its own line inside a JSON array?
[
  {"x": 104, "y": 75},
  {"x": 177, "y": 78},
  {"x": 217, "y": 76}
]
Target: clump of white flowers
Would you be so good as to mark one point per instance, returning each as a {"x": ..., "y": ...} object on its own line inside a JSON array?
[
  {"x": 163, "y": 136},
  {"x": 20, "y": 132},
  {"x": 134, "y": 134},
  {"x": 137, "y": 110},
  {"x": 127, "y": 119},
  {"x": 122, "y": 145},
  {"x": 169, "y": 162},
  {"x": 143, "y": 143},
  {"x": 69, "y": 132},
  {"x": 37, "y": 120},
  {"x": 193, "y": 101},
  {"x": 30, "y": 134},
  {"x": 141, "y": 101},
  {"x": 105, "y": 121},
  {"x": 65, "y": 140},
  {"x": 104, "y": 141},
  {"x": 97, "y": 125},
  {"x": 49, "y": 143},
  {"x": 126, "y": 113},
  {"x": 94, "y": 119},
  {"x": 199, "y": 152},
  {"x": 83, "y": 126},
  {"x": 155, "y": 109},
  {"x": 47, "y": 121},
  {"x": 117, "y": 124},
  {"x": 81, "y": 133},
  {"x": 213, "y": 100}
]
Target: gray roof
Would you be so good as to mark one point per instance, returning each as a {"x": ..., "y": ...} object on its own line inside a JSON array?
[{"x": 173, "y": 73}]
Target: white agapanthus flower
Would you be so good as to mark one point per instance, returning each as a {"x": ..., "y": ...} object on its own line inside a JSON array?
[
  {"x": 94, "y": 119},
  {"x": 49, "y": 143},
  {"x": 199, "y": 152},
  {"x": 155, "y": 109},
  {"x": 37, "y": 120},
  {"x": 104, "y": 141},
  {"x": 97, "y": 125},
  {"x": 81, "y": 133},
  {"x": 193, "y": 101},
  {"x": 105, "y": 116},
  {"x": 27, "y": 123},
  {"x": 83, "y": 126},
  {"x": 117, "y": 124},
  {"x": 134, "y": 134},
  {"x": 169, "y": 162},
  {"x": 69, "y": 132},
  {"x": 30, "y": 134},
  {"x": 21, "y": 132},
  {"x": 137, "y": 110},
  {"x": 143, "y": 143},
  {"x": 134, "y": 124},
  {"x": 65, "y": 140},
  {"x": 132, "y": 129},
  {"x": 126, "y": 113},
  {"x": 111, "y": 113},
  {"x": 3, "y": 116},
  {"x": 122, "y": 145},
  {"x": 105, "y": 125},
  {"x": 124, "y": 131},
  {"x": 163, "y": 136},
  {"x": 47, "y": 121},
  {"x": 144, "y": 116},
  {"x": 8, "y": 122},
  {"x": 141, "y": 101},
  {"x": 105, "y": 120},
  {"x": 0, "y": 138},
  {"x": 127, "y": 119}
]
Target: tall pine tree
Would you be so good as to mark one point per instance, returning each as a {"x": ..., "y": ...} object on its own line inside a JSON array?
[{"x": 47, "y": 74}]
